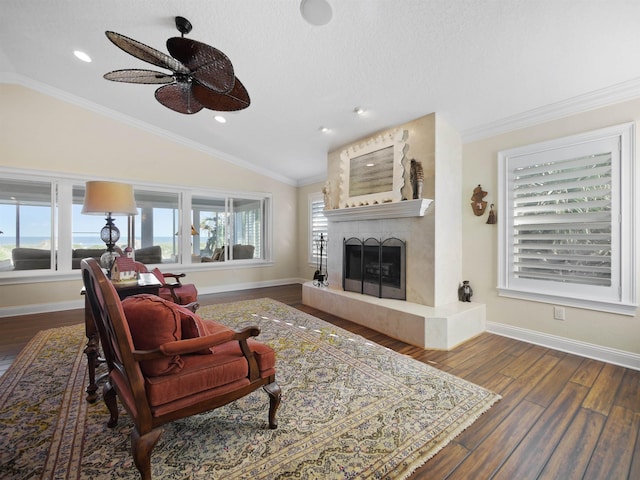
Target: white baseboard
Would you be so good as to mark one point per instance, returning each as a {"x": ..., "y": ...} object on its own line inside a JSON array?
[
  {"x": 589, "y": 350},
  {"x": 249, "y": 285},
  {"x": 41, "y": 308},
  {"x": 76, "y": 304}
]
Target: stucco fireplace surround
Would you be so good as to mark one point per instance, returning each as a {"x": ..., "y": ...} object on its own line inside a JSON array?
[{"x": 431, "y": 317}]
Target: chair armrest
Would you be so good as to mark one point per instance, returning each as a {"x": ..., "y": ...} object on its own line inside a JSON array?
[
  {"x": 176, "y": 276},
  {"x": 174, "y": 281},
  {"x": 192, "y": 345}
]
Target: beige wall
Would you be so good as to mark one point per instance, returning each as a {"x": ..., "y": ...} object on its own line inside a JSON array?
[
  {"x": 305, "y": 270},
  {"x": 44, "y": 133},
  {"x": 480, "y": 240}
]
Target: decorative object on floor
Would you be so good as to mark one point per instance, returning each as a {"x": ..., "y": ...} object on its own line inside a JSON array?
[
  {"x": 202, "y": 76},
  {"x": 492, "y": 216},
  {"x": 416, "y": 176},
  {"x": 465, "y": 292},
  {"x": 320, "y": 277},
  {"x": 350, "y": 409},
  {"x": 109, "y": 198}
]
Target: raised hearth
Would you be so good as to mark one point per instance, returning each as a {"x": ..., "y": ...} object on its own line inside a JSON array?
[{"x": 441, "y": 328}]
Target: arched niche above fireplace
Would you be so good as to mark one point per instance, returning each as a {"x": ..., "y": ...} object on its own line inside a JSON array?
[{"x": 373, "y": 172}]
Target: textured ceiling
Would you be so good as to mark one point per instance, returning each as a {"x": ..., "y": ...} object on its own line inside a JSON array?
[{"x": 475, "y": 62}]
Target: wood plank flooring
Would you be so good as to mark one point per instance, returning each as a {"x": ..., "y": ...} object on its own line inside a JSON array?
[{"x": 561, "y": 416}]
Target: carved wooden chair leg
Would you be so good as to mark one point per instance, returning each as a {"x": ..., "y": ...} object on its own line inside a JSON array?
[
  {"x": 91, "y": 351},
  {"x": 141, "y": 448},
  {"x": 274, "y": 391},
  {"x": 109, "y": 397}
]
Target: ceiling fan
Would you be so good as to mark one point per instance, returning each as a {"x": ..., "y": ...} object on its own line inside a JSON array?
[{"x": 201, "y": 76}]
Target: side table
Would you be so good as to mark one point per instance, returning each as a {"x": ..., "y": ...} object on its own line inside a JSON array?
[{"x": 147, "y": 283}]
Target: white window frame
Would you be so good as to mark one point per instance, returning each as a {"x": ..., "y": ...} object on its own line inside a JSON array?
[
  {"x": 61, "y": 235},
  {"x": 620, "y": 296},
  {"x": 314, "y": 200}
]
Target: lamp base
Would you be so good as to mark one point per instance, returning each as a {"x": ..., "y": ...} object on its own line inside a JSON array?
[{"x": 107, "y": 259}]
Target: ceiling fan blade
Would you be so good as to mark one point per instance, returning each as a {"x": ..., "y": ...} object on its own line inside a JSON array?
[
  {"x": 139, "y": 76},
  {"x": 145, "y": 53},
  {"x": 236, "y": 99},
  {"x": 179, "y": 97},
  {"x": 208, "y": 65}
]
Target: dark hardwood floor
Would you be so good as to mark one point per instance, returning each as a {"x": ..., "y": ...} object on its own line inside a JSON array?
[{"x": 561, "y": 416}]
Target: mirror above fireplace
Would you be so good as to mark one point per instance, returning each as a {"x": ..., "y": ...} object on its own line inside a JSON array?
[{"x": 373, "y": 172}]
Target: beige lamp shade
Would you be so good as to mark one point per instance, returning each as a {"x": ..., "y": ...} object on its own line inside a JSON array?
[{"x": 109, "y": 197}]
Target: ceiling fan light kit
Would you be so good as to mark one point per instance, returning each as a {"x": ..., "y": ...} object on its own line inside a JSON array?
[{"x": 201, "y": 76}]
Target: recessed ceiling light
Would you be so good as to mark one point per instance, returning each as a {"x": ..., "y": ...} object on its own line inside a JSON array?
[
  {"x": 324, "y": 129},
  {"x": 220, "y": 119},
  {"x": 82, "y": 56},
  {"x": 359, "y": 110}
]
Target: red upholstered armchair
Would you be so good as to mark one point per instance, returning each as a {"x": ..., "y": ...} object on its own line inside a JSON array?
[
  {"x": 166, "y": 363},
  {"x": 172, "y": 289}
]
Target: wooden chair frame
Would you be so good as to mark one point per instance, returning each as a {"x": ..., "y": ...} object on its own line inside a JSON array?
[{"x": 126, "y": 380}]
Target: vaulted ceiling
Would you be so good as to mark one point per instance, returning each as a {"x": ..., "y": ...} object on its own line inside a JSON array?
[{"x": 484, "y": 65}]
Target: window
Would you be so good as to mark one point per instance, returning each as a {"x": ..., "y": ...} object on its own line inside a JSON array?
[
  {"x": 25, "y": 225},
  {"x": 318, "y": 224},
  {"x": 43, "y": 230},
  {"x": 157, "y": 222},
  {"x": 235, "y": 221},
  {"x": 209, "y": 218},
  {"x": 246, "y": 215},
  {"x": 566, "y": 228}
]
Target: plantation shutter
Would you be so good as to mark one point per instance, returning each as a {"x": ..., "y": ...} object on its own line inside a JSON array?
[
  {"x": 319, "y": 225},
  {"x": 566, "y": 230},
  {"x": 562, "y": 220}
]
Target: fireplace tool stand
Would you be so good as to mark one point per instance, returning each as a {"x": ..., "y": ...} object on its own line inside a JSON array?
[{"x": 320, "y": 277}]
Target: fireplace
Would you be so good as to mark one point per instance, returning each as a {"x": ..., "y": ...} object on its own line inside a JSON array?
[{"x": 374, "y": 267}]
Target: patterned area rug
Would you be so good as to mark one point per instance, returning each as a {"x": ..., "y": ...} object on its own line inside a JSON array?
[{"x": 350, "y": 409}]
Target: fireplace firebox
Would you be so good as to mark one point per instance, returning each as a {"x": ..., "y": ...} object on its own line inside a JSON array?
[{"x": 374, "y": 267}]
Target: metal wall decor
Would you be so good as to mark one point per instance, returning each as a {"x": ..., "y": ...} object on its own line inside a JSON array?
[
  {"x": 478, "y": 204},
  {"x": 492, "y": 216}
]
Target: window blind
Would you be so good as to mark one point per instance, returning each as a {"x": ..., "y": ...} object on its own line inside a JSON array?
[
  {"x": 562, "y": 221},
  {"x": 319, "y": 224}
]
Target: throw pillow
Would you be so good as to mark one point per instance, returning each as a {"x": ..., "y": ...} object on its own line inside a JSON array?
[
  {"x": 153, "y": 322},
  {"x": 193, "y": 327},
  {"x": 158, "y": 274}
]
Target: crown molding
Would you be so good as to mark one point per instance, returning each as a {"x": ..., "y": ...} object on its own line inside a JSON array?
[
  {"x": 12, "y": 78},
  {"x": 590, "y": 101}
]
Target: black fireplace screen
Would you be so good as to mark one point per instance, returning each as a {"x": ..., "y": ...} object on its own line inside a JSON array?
[{"x": 375, "y": 267}]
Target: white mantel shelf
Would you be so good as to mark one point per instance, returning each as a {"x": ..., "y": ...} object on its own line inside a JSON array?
[{"x": 407, "y": 208}]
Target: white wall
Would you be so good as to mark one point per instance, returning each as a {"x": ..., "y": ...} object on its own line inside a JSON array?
[{"x": 610, "y": 331}]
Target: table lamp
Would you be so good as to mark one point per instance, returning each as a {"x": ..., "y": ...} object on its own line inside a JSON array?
[{"x": 109, "y": 198}]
